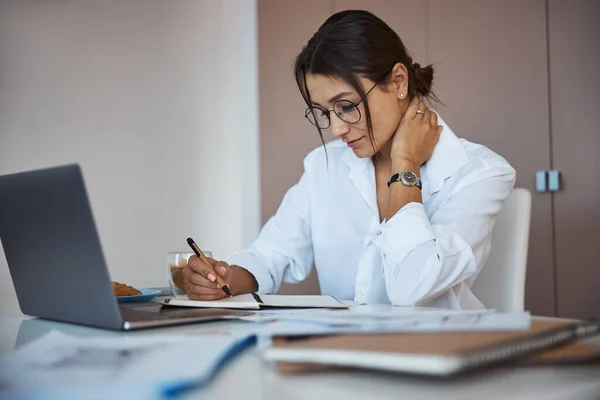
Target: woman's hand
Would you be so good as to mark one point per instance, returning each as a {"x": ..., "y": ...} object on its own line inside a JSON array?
[
  {"x": 416, "y": 136},
  {"x": 201, "y": 281}
]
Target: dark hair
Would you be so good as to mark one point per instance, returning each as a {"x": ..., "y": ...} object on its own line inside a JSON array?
[{"x": 356, "y": 42}]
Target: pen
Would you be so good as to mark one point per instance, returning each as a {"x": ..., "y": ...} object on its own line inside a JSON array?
[{"x": 202, "y": 257}]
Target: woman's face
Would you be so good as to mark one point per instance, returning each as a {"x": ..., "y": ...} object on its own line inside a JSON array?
[{"x": 385, "y": 104}]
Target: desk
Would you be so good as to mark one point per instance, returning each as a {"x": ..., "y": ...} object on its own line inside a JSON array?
[{"x": 248, "y": 377}]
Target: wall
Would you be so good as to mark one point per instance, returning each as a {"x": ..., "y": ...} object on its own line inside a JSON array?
[
  {"x": 157, "y": 101},
  {"x": 285, "y": 136}
]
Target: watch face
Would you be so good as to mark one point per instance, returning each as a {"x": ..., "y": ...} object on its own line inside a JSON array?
[{"x": 409, "y": 178}]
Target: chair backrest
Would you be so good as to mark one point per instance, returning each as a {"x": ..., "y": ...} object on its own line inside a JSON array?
[{"x": 501, "y": 282}]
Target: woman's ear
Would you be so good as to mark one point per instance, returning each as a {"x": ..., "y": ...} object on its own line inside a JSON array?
[{"x": 400, "y": 81}]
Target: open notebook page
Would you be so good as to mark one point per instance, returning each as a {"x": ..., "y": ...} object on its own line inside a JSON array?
[
  {"x": 301, "y": 301},
  {"x": 246, "y": 301}
]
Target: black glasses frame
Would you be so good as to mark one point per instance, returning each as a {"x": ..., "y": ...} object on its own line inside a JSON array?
[{"x": 327, "y": 112}]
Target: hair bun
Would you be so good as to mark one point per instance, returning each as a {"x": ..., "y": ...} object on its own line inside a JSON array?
[
  {"x": 417, "y": 69},
  {"x": 423, "y": 79}
]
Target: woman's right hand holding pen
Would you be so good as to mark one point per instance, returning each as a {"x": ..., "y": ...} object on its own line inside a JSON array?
[{"x": 201, "y": 279}]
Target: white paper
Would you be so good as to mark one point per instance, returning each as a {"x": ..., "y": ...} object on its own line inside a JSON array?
[
  {"x": 67, "y": 365},
  {"x": 378, "y": 314},
  {"x": 352, "y": 302},
  {"x": 245, "y": 301},
  {"x": 306, "y": 324},
  {"x": 300, "y": 301},
  {"x": 273, "y": 314}
]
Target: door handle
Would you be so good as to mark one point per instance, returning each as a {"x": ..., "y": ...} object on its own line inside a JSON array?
[
  {"x": 554, "y": 180},
  {"x": 548, "y": 181},
  {"x": 541, "y": 181}
]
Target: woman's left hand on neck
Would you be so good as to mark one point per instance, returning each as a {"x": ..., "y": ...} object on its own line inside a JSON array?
[
  {"x": 412, "y": 145},
  {"x": 415, "y": 138}
]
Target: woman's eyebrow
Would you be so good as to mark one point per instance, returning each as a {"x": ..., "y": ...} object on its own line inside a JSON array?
[{"x": 334, "y": 98}]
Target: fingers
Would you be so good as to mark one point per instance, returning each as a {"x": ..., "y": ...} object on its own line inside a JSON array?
[
  {"x": 426, "y": 113},
  {"x": 421, "y": 111},
  {"x": 433, "y": 122},
  {"x": 411, "y": 111},
  {"x": 199, "y": 293},
  {"x": 198, "y": 287},
  {"x": 207, "y": 271},
  {"x": 197, "y": 279},
  {"x": 200, "y": 279},
  {"x": 201, "y": 289},
  {"x": 222, "y": 268},
  {"x": 433, "y": 119}
]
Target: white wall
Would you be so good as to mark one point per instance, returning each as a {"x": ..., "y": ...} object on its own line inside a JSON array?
[{"x": 157, "y": 100}]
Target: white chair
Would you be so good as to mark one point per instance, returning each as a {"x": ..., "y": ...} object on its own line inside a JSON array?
[{"x": 501, "y": 282}]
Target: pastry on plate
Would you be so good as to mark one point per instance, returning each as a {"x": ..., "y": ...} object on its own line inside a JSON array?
[{"x": 122, "y": 289}]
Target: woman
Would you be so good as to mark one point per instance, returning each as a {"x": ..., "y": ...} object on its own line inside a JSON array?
[{"x": 397, "y": 209}]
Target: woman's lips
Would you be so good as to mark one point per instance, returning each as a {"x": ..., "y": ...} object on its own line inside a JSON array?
[{"x": 355, "y": 142}]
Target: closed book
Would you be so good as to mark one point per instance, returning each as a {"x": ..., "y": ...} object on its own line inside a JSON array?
[{"x": 437, "y": 354}]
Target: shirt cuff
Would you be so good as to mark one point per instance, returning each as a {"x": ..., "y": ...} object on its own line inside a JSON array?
[
  {"x": 252, "y": 264},
  {"x": 408, "y": 229}
]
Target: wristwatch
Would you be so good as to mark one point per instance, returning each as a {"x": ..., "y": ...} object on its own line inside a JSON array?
[{"x": 408, "y": 178}]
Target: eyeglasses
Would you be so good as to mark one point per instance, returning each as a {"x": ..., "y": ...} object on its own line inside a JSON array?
[{"x": 346, "y": 110}]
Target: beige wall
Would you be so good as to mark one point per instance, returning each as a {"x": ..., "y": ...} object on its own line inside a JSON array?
[
  {"x": 286, "y": 137},
  {"x": 158, "y": 102}
]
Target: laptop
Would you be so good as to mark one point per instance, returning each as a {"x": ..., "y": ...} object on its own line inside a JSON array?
[{"x": 55, "y": 257}]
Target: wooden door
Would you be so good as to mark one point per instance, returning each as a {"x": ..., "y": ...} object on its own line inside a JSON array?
[
  {"x": 574, "y": 38},
  {"x": 491, "y": 72}
]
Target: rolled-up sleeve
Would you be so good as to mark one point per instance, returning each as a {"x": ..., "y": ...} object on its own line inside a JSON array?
[
  {"x": 283, "y": 251},
  {"x": 423, "y": 257}
]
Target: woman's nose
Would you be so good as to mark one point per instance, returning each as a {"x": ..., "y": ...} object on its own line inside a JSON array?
[{"x": 338, "y": 127}]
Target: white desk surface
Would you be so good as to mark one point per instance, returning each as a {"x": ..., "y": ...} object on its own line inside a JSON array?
[{"x": 248, "y": 377}]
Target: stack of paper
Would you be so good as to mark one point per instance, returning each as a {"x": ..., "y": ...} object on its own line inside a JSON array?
[
  {"x": 69, "y": 367},
  {"x": 347, "y": 322},
  {"x": 435, "y": 353}
]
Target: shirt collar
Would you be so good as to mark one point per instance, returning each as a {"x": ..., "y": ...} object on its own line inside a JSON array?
[
  {"x": 362, "y": 175},
  {"x": 447, "y": 158}
]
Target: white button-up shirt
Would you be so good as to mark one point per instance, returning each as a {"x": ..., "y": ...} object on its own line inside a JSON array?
[{"x": 426, "y": 254}]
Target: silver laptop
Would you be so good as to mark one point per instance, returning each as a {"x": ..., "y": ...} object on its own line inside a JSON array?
[{"x": 55, "y": 258}]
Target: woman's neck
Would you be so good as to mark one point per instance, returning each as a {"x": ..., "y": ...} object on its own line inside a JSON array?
[{"x": 382, "y": 160}]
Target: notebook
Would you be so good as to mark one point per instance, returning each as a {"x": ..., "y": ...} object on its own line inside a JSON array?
[
  {"x": 254, "y": 301},
  {"x": 435, "y": 354}
]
